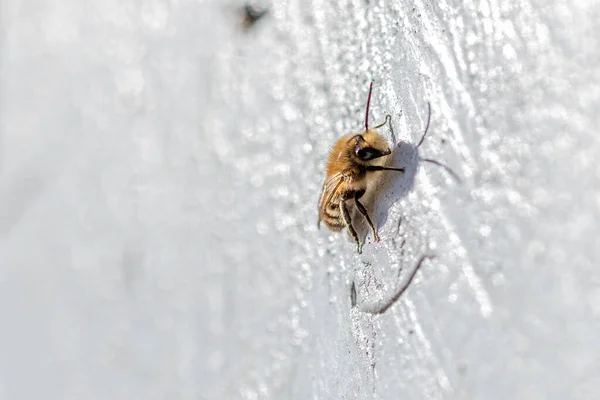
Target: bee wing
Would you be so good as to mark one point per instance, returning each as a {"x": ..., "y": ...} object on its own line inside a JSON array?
[{"x": 330, "y": 186}]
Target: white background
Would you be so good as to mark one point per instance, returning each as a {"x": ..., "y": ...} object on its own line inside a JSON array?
[{"x": 160, "y": 171}]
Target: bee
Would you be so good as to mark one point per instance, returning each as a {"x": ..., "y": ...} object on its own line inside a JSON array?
[{"x": 349, "y": 169}]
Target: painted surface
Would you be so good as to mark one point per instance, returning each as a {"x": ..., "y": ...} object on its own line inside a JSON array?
[{"x": 159, "y": 176}]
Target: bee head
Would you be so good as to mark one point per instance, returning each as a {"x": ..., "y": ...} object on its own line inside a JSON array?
[{"x": 369, "y": 146}]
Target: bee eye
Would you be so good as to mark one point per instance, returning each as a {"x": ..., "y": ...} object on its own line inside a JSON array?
[{"x": 364, "y": 155}]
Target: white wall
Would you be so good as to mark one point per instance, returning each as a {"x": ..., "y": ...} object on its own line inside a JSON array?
[{"x": 159, "y": 174}]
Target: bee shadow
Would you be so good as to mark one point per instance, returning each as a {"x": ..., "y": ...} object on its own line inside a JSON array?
[{"x": 388, "y": 188}]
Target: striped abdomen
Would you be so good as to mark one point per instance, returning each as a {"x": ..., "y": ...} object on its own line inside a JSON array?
[
  {"x": 332, "y": 216},
  {"x": 330, "y": 211}
]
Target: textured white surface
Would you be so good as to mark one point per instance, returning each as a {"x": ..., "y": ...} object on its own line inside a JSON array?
[{"x": 159, "y": 173}]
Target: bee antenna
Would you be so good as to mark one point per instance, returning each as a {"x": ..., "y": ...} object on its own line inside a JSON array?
[
  {"x": 357, "y": 136},
  {"x": 368, "y": 106}
]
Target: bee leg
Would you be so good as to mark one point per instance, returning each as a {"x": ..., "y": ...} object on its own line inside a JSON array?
[
  {"x": 388, "y": 118},
  {"x": 348, "y": 222},
  {"x": 379, "y": 168},
  {"x": 363, "y": 211}
]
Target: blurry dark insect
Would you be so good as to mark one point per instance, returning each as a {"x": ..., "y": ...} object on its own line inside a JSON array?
[
  {"x": 251, "y": 13},
  {"x": 349, "y": 168}
]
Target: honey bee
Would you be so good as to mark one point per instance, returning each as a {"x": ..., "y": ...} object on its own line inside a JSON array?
[{"x": 349, "y": 168}]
